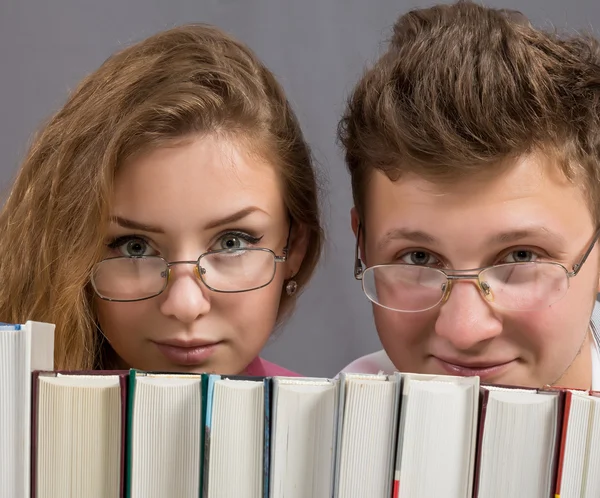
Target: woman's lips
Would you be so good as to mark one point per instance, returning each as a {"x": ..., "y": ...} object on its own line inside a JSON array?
[
  {"x": 483, "y": 369},
  {"x": 187, "y": 353}
]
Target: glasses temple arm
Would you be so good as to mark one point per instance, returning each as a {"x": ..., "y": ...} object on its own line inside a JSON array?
[
  {"x": 358, "y": 267},
  {"x": 286, "y": 248},
  {"x": 577, "y": 266}
]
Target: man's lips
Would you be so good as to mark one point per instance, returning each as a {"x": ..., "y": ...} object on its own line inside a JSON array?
[{"x": 482, "y": 368}]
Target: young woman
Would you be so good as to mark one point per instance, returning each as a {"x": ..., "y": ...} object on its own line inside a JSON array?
[{"x": 167, "y": 216}]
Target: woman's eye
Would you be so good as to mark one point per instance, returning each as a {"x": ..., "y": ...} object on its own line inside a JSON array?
[
  {"x": 231, "y": 242},
  {"x": 421, "y": 258},
  {"x": 234, "y": 241},
  {"x": 132, "y": 246},
  {"x": 520, "y": 256}
]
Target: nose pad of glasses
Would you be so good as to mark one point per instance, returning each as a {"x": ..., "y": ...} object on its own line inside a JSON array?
[
  {"x": 446, "y": 286},
  {"x": 487, "y": 290},
  {"x": 199, "y": 271}
]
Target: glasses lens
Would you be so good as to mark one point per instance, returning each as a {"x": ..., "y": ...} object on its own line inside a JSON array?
[
  {"x": 404, "y": 287},
  {"x": 525, "y": 286},
  {"x": 238, "y": 270},
  {"x": 129, "y": 279}
]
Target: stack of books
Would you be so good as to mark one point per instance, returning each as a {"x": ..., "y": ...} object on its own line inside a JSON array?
[{"x": 142, "y": 434}]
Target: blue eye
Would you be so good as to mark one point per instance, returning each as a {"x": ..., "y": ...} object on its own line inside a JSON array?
[
  {"x": 231, "y": 242},
  {"x": 420, "y": 258},
  {"x": 236, "y": 240},
  {"x": 131, "y": 246},
  {"x": 521, "y": 256}
]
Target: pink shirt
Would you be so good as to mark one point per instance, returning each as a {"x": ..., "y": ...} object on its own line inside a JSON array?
[{"x": 264, "y": 368}]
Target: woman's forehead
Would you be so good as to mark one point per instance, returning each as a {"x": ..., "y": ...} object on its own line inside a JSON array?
[{"x": 203, "y": 179}]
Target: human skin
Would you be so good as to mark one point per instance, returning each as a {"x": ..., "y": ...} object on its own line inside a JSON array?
[
  {"x": 529, "y": 211},
  {"x": 207, "y": 193}
]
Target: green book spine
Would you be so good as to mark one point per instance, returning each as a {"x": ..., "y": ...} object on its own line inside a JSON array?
[
  {"x": 202, "y": 433},
  {"x": 128, "y": 442}
]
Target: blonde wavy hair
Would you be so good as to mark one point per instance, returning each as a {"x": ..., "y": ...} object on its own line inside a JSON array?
[{"x": 193, "y": 79}]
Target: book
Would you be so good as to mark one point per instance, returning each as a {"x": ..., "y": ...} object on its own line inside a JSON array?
[
  {"x": 23, "y": 349},
  {"x": 164, "y": 435},
  {"x": 438, "y": 431},
  {"x": 367, "y": 425},
  {"x": 578, "y": 473},
  {"x": 519, "y": 439},
  {"x": 78, "y": 434},
  {"x": 303, "y": 437},
  {"x": 236, "y": 458}
]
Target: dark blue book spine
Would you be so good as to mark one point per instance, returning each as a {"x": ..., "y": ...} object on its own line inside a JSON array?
[{"x": 267, "y": 445}]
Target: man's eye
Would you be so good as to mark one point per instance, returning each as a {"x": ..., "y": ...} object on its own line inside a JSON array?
[
  {"x": 520, "y": 256},
  {"x": 421, "y": 258}
]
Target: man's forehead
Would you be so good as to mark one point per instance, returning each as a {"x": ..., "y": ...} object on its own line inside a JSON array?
[
  {"x": 526, "y": 198},
  {"x": 526, "y": 175}
]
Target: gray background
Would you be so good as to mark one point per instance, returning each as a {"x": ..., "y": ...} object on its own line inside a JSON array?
[{"x": 317, "y": 48}]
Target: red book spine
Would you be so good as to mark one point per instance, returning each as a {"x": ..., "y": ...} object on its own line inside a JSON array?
[{"x": 563, "y": 440}]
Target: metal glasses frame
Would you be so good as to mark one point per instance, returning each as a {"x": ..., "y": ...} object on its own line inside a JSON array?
[
  {"x": 199, "y": 270},
  {"x": 467, "y": 274}
]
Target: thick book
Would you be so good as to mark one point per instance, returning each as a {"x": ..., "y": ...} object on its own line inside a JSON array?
[
  {"x": 518, "y": 442},
  {"x": 578, "y": 473},
  {"x": 164, "y": 434},
  {"x": 23, "y": 349},
  {"x": 303, "y": 437},
  {"x": 78, "y": 433},
  {"x": 236, "y": 455},
  {"x": 366, "y": 434},
  {"x": 437, "y": 432}
]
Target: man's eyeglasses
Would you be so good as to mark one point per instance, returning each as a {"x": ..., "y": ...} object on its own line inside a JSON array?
[
  {"x": 136, "y": 278},
  {"x": 516, "y": 286}
]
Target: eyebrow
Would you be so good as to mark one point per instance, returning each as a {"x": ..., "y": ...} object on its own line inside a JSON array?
[
  {"x": 511, "y": 236},
  {"x": 416, "y": 236},
  {"x": 225, "y": 220},
  {"x": 507, "y": 237},
  {"x": 135, "y": 225},
  {"x": 232, "y": 218}
]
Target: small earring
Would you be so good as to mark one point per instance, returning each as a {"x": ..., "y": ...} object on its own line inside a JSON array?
[{"x": 291, "y": 288}]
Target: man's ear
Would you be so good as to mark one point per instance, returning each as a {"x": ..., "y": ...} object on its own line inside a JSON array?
[
  {"x": 355, "y": 221},
  {"x": 298, "y": 248}
]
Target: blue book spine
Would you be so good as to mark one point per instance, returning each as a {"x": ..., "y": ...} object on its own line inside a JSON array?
[
  {"x": 267, "y": 430},
  {"x": 9, "y": 326},
  {"x": 212, "y": 378}
]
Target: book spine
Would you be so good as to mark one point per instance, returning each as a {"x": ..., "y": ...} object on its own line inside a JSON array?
[
  {"x": 267, "y": 441},
  {"x": 34, "y": 431},
  {"x": 123, "y": 383},
  {"x": 396, "y": 491},
  {"x": 203, "y": 436},
  {"x": 212, "y": 378},
  {"x": 563, "y": 442},
  {"x": 483, "y": 401},
  {"x": 128, "y": 439}
]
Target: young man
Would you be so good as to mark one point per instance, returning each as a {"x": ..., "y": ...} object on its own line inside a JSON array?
[{"x": 474, "y": 150}]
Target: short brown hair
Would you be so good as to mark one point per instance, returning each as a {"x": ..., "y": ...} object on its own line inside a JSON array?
[
  {"x": 462, "y": 88},
  {"x": 193, "y": 79}
]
